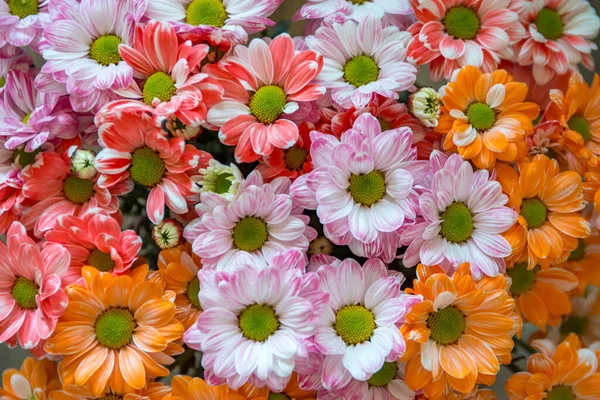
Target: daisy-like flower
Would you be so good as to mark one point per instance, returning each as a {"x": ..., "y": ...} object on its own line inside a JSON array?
[
  {"x": 352, "y": 9},
  {"x": 460, "y": 333},
  {"x": 28, "y": 117},
  {"x": 135, "y": 151},
  {"x": 267, "y": 92},
  {"x": 185, "y": 387},
  {"x": 452, "y": 34},
  {"x": 219, "y": 179},
  {"x": 362, "y": 60},
  {"x": 32, "y": 295},
  {"x": 464, "y": 216},
  {"x": 116, "y": 331},
  {"x": 255, "y": 320},
  {"x": 168, "y": 233},
  {"x": 20, "y": 61},
  {"x": 258, "y": 223},
  {"x": 559, "y": 36},
  {"x": 35, "y": 380},
  {"x": 82, "y": 164},
  {"x": 485, "y": 117},
  {"x": 363, "y": 186},
  {"x": 23, "y": 22},
  {"x": 152, "y": 391},
  {"x": 566, "y": 371},
  {"x": 547, "y": 139},
  {"x": 425, "y": 105},
  {"x": 584, "y": 263},
  {"x": 291, "y": 391}
]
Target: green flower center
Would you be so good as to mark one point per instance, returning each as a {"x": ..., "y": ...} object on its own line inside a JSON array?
[
  {"x": 105, "y": 50},
  {"x": 522, "y": 278},
  {"x": 457, "y": 223},
  {"x": 461, "y": 22},
  {"x": 385, "y": 126},
  {"x": 77, "y": 190},
  {"x": 579, "y": 252},
  {"x": 573, "y": 324},
  {"x": 2, "y": 81},
  {"x": 147, "y": 168},
  {"x": 114, "y": 328},
  {"x": 25, "y": 158},
  {"x": 25, "y": 119},
  {"x": 100, "y": 260},
  {"x": 258, "y": 322},
  {"x": 249, "y": 234},
  {"x": 278, "y": 396},
  {"x": 206, "y": 12},
  {"x": 158, "y": 85},
  {"x": 534, "y": 212},
  {"x": 192, "y": 292},
  {"x": 223, "y": 183},
  {"x": 24, "y": 292},
  {"x": 580, "y": 125},
  {"x": 481, "y": 116},
  {"x": 385, "y": 375},
  {"x": 354, "y": 324},
  {"x": 23, "y": 8},
  {"x": 367, "y": 189},
  {"x": 361, "y": 70},
  {"x": 549, "y": 24},
  {"x": 561, "y": 393},
  {"x": 295, "y": 158},
  {"x": 446, "y": 325},
  {"x": 267, "y": 103}
]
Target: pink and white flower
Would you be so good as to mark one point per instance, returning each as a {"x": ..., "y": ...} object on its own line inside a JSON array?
[
  {"x": 19, "y": 61},
  {"x": 318, "y": 9},
  {"x": 11, "y": 200},
  {"x": 22, "y": 22}
]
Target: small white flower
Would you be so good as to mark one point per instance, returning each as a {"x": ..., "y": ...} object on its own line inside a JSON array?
[
  {"x": 425, "y": 106},
  {"x": 82, "y": 164},
  {"x": 167, "y": 234},
  {"x": 220, "y": 179}
]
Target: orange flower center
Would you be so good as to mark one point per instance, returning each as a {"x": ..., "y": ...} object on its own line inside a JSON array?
[
  {"x": 24, "y": 292},
  {"x": 77, "y": 190},
  {"x": 580, "y": 125},
  {"x": 446, "y": 325},
  {"x": 114, "y": 328},
  {"x": 522, "y": 278},
  {"x": 295, "y": 158},
  {"x": 192, "y": 292},
  {"x": 561, "y": 393},
  {"x": 100, "y": 260},
  {"x": 385, "y": 375}
]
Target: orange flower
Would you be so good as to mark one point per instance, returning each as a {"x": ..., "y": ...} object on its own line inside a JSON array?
[
  {"x": 475, "y": 394},
  {"x": 153, "y": 391},
  {"x": 584, "y": 319},
  {"x": 34, "y": 381},
  {"x": 591, "y": 192},
  {"x": 116, "y": 331},
  {"x": 584, "y": 263},
  {"x": 461, "y": 332},
  {"x": 291, "y": 391},
  {"x": 565, "y": 371},
  {"x": 188, "y": 388},
  {"x": 485, "y": 117}
]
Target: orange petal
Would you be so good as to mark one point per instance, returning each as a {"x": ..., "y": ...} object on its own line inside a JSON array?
[
  {"x": 489, "y": 324},
  {"x": 589, "y": 388},
  {"x": 132, "y": 368},
  {"x": 118, "y": 291},
  {"x": 440, "y": 283},
  {"x": 538, "y": 242},
  {"x": 516, "y": 385},
  {"x": 93, "y": 360},
  {"x": 71, "y": 340},
  {"x": 143, "y": 293},
  {"x": 558, "y": 277},
  {"x": 155, "y": 312},
  {"x": 416, "y": 376},
  {"x": 419, "y": 312},
  {"x": 148, "y": 339},
  {"x": 533, "y": 309},
  {"x": 572, "y": 224},
  {"x": 557, "y": 302},
  {"x": 539, "y": 363},
  {"x": 560, "y": 188},
  {"x": 456, "y": 362},
  {"x": 481, "y": 353},
  {"x": 495, "y": 141},
  {"x": 97, "y": 383}
]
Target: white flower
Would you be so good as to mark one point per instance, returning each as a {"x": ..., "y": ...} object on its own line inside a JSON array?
[{"x": 425, "y": 106}]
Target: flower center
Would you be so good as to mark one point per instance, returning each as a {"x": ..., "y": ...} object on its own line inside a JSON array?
[
  {"x": 278, "y": 396},
  {"x": 385, "y": 126},
  {"x": 258, "y": 322},
  {"x": 25, "y": 119},
  {"x": 385, "y": 375},
  {"x": 100, "y": 260},
  {"x": 461, "y": 22},
  {"x": 580, "y": 125},
  {"x": 522, "y": 278},
  {"x": 2, "y": 81},
  {"x": 147, "y": 168},
  {"x": 481, "y": 116},
  {"x": 114, "y": 328},
  {"x": 549, "y": 24},
  {"x": 579, "y": 252},
  {"x": 78, "y": 190},
  {"x": 560, "y": 393},
  {"x": 192, "y": 292},
  {"x": 22, "y": 8},
  {"x": 457, "y": 223},
  {"x": 223, "y": 183},
  {"x": 267, "y": 103},
  {"x": 110, "y": 397},
  {"x": 446, "y": 325},
  {"x": 367, "y": 189},
  {"x": 249, "y": 234},
  {"x": 295, "y": 158},
  {"x": 158, "y": 85},
  {"x": 206, "y": 12},
  {"x": 534, "y": 212},
  {"x": 105, "y": 50},
  {"x": 24, "y": 292},
  {"x": 25, "y": 158},
  {"x": 361, "y": 70},
  {"x": 354, "y": 324},
  {"x": 573, "y": 324}
]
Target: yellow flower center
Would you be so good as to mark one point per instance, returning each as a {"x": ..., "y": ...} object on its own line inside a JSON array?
[
  {"x": 561, "y": 393},
  {"x": 206, "y": 12},
  {"x": 573, "y": 324},
  {"x": 457, "y": 223},
  {"x": 114, "y": 328},
  {"x": 249, "y": 234},
  {"x": 580, "y": 125},
  {"x": 461, "y": 22},
  {"x": 192, "y": 292},
  {"x": 549, "y": 24},
  {"x": 158, "y": 85},
  {"x": 446, "y": 325},
  {"x": 105, "y": 50},
  {"x": 579, "y": 252},
  {"x": 522, "y": 278},
  {"x": 354, "y": 324},
  {"x": 147, "y": 168},
  {"x": 23, "y": 8},
  {"x": 25, "y": 158},
  {"x": 223, "y": 183},
  {"x": 534, "y": 212},
  {"x": 278, "y": 396},
  {"x": 24, "y": 292},
  {"x": 267, "y": 103},
  {"x": 367, "y": 189},
  {"x": 2, "y": 81},
  {"x": 295, "y": 157},
  {"x": 361, "y": 70},
  {"x": 481, "y": 116},
  {"x": 77, "y": 190},
  {"x": 25, "y": 119},
  {"x": 258, "y": 322},
  {"x": 385, "y": 375},
  {"x": 100, "y": 260}
]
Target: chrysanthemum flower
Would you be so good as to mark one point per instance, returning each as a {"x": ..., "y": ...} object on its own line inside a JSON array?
[
  {"x": 584, "y": 320},
  {"x": 460, "y": 333},
  {"x": 352, "y": 9},
  {"x": 464, "y": 216},
  {"x": 584, "y": 263},
  {"x": 152, "y": 391},
  {"x": 485, "y": 118},
  {"x": 267, "y": 90},
  {"x": 20, "y": 61},
  {"x": 134, "y": 150},
  {"x": 291, "y": 391},
  {"x": 116, "y": 331},
  {"x": 452, "y": 34},
  {"x": 185, "y": 387},
  {"x": 11, "y": 201},
  {"x": 559, "y": 36},
  {"x": 425, "y": 105},
  {"x": 23, "y": 22},
  {"x": 362, "y": 60},
  {"x": 255, "y": 320},
  {"x": 566, "y": 371},
  {"x": 35, "y": 380},
  {"x": 168, "y": 233},
  {"x": 219, "y": 179},
  {"x": 547, "y": 139},
  {"x": 32, "y": 295}
]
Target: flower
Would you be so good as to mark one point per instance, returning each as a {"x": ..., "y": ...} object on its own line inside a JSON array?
[
  {"x": 152, "y": 391},
  {"x": 362, "y": 186},
  {"x": 32, "y": 296},
  {"x": 35, "y": 380},
  {"x": 292, "y": 390},
  {"x": 116, "y": 331},
  {"x": 547, "y": 139},
  {"x": 219, "y": 179},
  {"x": 23, "y": 22},
  {"x": 362, "y": 60},
  {"x": 134, "y": 150},
  {"x": 356, "y": 10},
  {"x": 460, "y": 333},
  {"x": 19, "y": 61},
  {"x": 186, "y": 387},
  {"x": 11, "y": 201},
  {"x": 267, "y": 92},
  {"x": 168, "y": 233},
  {"x": 425, "y": 105},
  {"x": 485, "y": 118},
  {"x": 584, "y": 263},
  {"x": 464, "y": 216},
  {"x": 452, "y": 34},
  {"x": 558, "y": 36},
  {"x": 258, "y": 223},
  {"x": 255, "y": 320},
  {"x": 82, "y": 164},
  {"x": 566, "y": 371}
]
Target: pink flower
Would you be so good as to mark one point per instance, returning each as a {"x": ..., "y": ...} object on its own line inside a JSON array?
[
  {"x": 450, "y": 34},
  {"x": 11, "y": 200},
  {"x": 18, "y": 61},
  {"x": 136, "y": 151},
  {"x": 268, "y": 90},
  {"x": 260, "y": 222},
  {"x": 464, "y": 215},
  {"x": 317, "y": 9},
  {"x": 22, "y": 22},
  {"x": 362, "y": 60},
  {"x": 32, "y": 295}
]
